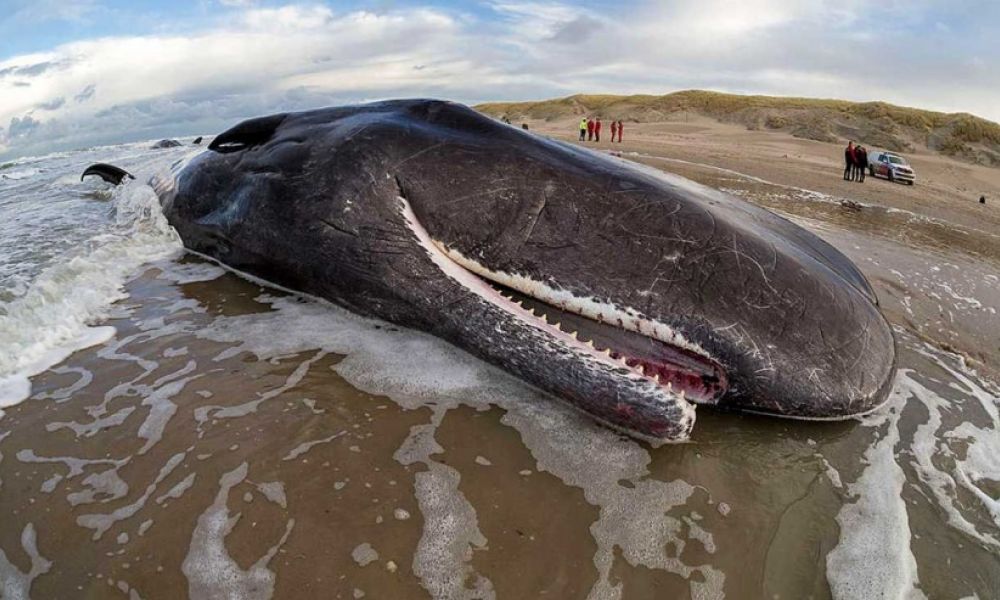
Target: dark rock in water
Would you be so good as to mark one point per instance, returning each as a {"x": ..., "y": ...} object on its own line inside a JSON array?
[
  {"x": 982, "y": 199},
  {"x": 197, "y": 140},
  {"x": 165, "y": 144}
]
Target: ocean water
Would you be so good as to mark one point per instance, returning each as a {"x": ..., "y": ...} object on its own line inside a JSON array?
[
  {"x": 68, "y": 247},
  {"x": 173, "y": 429}
]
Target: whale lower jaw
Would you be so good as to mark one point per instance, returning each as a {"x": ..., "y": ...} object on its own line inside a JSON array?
[{"x": 619, "y": 338}]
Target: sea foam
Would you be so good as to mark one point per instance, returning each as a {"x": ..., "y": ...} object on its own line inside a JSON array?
[{"x": 54, "y": 316}]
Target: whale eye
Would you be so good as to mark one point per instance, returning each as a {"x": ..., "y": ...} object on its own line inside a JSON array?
[{"x": 248, "y": 134}]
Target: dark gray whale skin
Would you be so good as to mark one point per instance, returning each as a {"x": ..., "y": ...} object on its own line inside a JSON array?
[
  {"x": 109, "y": 173},
  {"x": 314, "y": 201}
]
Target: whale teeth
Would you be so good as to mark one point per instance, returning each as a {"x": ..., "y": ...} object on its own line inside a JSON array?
[
  {"x": 557, "y": 326},
  {"x": 574, "y": 335},
  {"x": 659, "y": 379},
  {"x": 682, "y": 394},
  {"x": 607, "y": 352},
  {"x": 590, "y": 344},
  {"x": 544, "y": 318}
]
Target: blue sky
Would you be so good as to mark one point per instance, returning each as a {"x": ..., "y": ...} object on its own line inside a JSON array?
[{"x": 83, "y": 72}]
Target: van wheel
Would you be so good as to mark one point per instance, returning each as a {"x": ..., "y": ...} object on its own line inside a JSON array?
[
  {"x": 871, "y": 171},
  {"x": 909, "y": 183},
  {"x": 891, "y": 178}
]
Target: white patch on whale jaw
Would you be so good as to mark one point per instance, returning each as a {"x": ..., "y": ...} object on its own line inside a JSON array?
[
  {"x": 623, "y": 318},
  {"x": 476, "y": 278}
]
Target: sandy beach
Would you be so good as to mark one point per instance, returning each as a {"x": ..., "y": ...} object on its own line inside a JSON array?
[{"x": 233, "y": 440}]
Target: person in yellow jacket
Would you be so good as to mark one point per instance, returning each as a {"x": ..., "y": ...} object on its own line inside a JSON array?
[{"x": 583, "y": 128}]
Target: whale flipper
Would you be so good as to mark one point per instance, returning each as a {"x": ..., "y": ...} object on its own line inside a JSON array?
[{"x": 109, "y": 173}]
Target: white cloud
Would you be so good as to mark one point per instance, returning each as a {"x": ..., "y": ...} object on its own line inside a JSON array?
[
  {"x": 263, "y": 53},
  {"x": 288, "y": 17},
  {"x": 257, "y": 60}
]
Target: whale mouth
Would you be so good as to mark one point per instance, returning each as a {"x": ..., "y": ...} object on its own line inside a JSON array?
[
  {"x": 636, "y": 347},
  {"x": 692, "y": 376}
]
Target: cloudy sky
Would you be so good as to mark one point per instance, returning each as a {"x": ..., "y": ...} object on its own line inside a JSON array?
[{"x": 83, "y": 72}]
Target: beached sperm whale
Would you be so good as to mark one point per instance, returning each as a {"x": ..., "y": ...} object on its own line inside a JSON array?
[{"x": 632, "y": 294}]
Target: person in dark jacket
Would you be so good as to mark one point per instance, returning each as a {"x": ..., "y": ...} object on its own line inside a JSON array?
[
  {"x": 849, "y": 161},
  {"x": 597, "y": 130},
  {"x": 861, "y": 162},
  {"x": 590, "y": 130},
  {"x": 619, "y": 131}
]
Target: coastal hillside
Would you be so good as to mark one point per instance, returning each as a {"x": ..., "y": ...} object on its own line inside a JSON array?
[{"x": 876, "y": 124}]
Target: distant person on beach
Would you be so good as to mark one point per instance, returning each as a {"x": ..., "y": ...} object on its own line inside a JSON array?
[
  {"x": 590, "y": 130},
  {"x": 620, "y": 126},
  {"x": 614, "y": 130},
  {"x": 860, "y": 162},
  {"x": 597, "y": 130},
  {"x": 849, "y": 161},
  {"x": 524, "y": 126},
  {"x": 583, "y": 129}
]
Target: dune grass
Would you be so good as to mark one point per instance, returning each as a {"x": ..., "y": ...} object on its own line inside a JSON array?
[{"x": 887, "y": 125}]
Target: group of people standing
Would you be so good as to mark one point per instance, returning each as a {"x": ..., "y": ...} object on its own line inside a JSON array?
[
  {"x": 590, "y": 130},
  {"x": 855, "y": 162}
]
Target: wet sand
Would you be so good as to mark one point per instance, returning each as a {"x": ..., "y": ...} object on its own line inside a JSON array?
[{"x": 236, "y": 440}]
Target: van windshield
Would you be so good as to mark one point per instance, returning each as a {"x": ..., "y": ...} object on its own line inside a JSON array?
[{"x": 897, "y": 160}]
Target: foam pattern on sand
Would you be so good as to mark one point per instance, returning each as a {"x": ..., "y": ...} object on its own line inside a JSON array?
[
  {"x": 210, "y": 570},
  {"x": 14, "y": 583},
  {"x": 418, "y": 370},
  {"x": 873, "y": 557}
]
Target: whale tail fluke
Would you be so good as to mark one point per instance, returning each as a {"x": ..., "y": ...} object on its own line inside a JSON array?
[{"x": 109, "y": 173}]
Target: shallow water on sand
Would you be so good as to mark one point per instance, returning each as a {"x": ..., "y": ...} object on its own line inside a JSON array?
[{"x": 229, "y": 439}]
